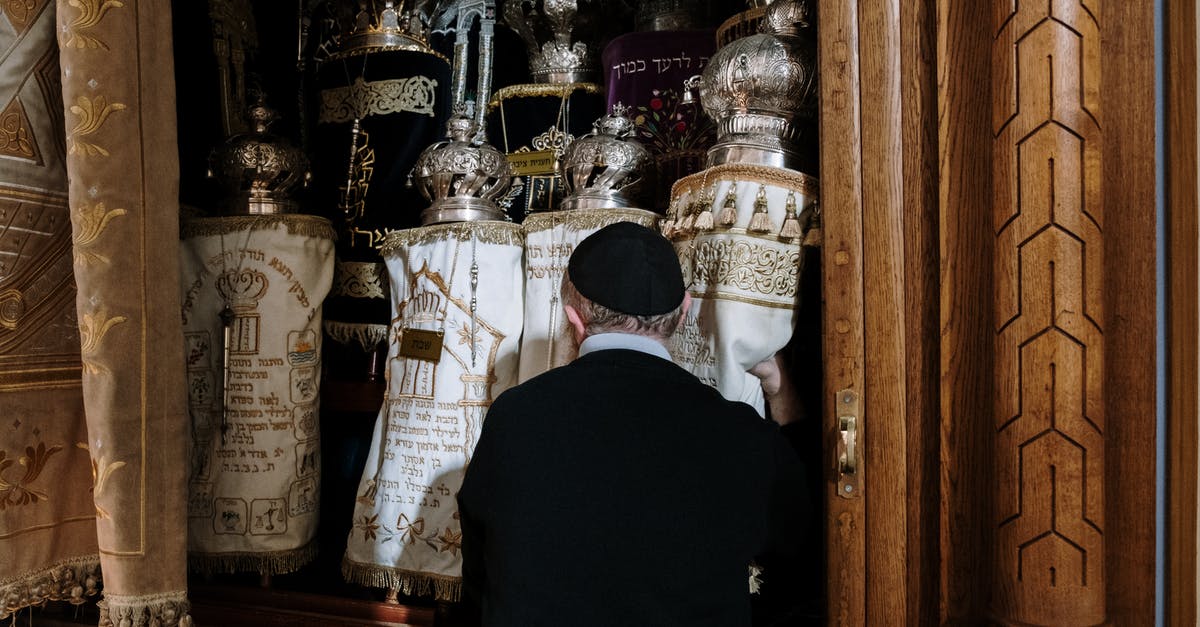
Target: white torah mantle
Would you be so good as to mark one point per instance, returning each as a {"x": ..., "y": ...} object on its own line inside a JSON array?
[
  {"x": 456, "y": 292},
  {"x": 550, "y": 238},
  {"x": 738, "y": 230},
  {"x": 253, "y": 288}
]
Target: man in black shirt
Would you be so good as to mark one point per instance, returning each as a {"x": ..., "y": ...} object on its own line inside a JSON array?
[{"x": 620, "y": 489}]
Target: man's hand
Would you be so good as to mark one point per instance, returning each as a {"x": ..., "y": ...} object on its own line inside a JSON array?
[
  {"x": 778, "y": 390},
  {"x": 770, "y": 373}
]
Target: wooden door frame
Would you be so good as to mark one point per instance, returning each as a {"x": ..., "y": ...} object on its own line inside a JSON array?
[
  {"x": 1182, "y": 319},
  {"x": 878, "y": 167}
]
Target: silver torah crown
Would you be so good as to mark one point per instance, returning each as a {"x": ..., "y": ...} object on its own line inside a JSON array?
[
  {"x": 258, "y": 170},
  {"x": 607, "y": 168},
  {"x": 461, "y": 177},
  {"x": 556, "y": 53},
  {"x": 758, "y": 89},
  {"x": 392, "y": 27}
]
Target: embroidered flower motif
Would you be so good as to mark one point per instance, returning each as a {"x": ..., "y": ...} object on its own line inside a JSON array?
[
  {"x": 369, "y": 526},
  {"x": 18, "y": 492},
  {"x": 667, "y": 125},
  {"x": 101, "y": 471},
  {"x": 451, "y": 541}
]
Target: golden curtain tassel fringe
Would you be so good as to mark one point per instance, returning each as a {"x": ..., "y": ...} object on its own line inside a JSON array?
[
  {"x": 704, "y": 221},
  {"x": 169, "y": 609},
  {"x": 72, "y": 580},
  {"x": 272, "y": 563},
  {"x": 406, "y": 582}
]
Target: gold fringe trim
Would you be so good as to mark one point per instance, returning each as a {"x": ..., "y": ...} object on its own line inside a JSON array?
[
  {"x": 368, "y": 336},
  {"x": 408, "y": 582},
  {"x": 263, "y": 563},
  {"x": 485, "y": 231},
  {"x": 296, "y": 223},
  {"x": 761, "y": 174},
  {"x": 166, "y": 609},
  {"x": 360, "y": 51},
  {"x": 585, "y": 219},
  {"x": 71, "y": 580},
  {"x": 767, "y": 236},
  {"x": 541, "y": 90}
]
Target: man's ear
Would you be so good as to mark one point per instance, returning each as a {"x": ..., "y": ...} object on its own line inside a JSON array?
[
  {"x": 683, "y": 309},
  {"x": 578, "y": 327}
]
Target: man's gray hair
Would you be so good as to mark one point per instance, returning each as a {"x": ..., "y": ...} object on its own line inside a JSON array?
[{"x": 600, "y": 319}]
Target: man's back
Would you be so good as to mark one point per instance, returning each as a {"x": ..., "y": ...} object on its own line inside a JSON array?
[{"x": 620, "y": 490}]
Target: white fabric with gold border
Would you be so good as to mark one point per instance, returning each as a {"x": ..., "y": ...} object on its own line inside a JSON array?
[
  {"x": 550, "y": 238},
  {"x": 255, "y": 459},
  {"x": 457, "y": 310},
  {"x": 739, "y": 231}
]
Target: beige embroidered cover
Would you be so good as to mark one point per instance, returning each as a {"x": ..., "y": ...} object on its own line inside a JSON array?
[{"x": 253, "y": 392}]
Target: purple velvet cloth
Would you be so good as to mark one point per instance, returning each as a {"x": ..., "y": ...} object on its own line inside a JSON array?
[{"x": 646, "y": 71}]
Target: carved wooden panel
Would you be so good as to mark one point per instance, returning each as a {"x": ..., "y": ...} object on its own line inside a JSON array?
[{"x": 1048, "y": 314}]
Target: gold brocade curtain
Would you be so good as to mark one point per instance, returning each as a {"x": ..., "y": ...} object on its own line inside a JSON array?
[
  {"x": 47, "y": 518},
  {"x": 122, "y": 160}
]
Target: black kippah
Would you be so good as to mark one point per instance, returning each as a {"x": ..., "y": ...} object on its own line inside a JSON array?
[{"x": 628, "y": 268}]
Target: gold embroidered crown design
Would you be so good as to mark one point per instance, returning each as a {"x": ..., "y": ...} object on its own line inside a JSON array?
[
  {"x": 423, "y": 308},
  {"x": 242, "y": 289}
]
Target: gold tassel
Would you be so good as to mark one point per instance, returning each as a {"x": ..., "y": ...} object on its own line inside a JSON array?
[
  {"x": 760, "y": 222},
  {"x": 667, "y": 226},
  {"x": 688, "y": 222},
  {"x": 729, "y": 212},
  {"x": 791, "y": 222},
  {"x": 813, "y": 236},
  {"x": 704, "y": 220}
]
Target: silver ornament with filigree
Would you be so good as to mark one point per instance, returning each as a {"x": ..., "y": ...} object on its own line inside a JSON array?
[
  {"x": 607, "y": 168},
  {"x": 760, "y": 89},
  {"x": 374, "y": 29},
  {"x": 560, "y": 36},
  {"x": 258, "y": 170},
  {"x": 463, "y": 178}
]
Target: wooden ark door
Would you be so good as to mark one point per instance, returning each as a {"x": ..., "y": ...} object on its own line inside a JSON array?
[
  {"x": 988, "y": 185},
  {"x": 879, "y": 270}
]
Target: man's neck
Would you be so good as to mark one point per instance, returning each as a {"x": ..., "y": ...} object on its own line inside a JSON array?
[{"x": 629, "y": 341}]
